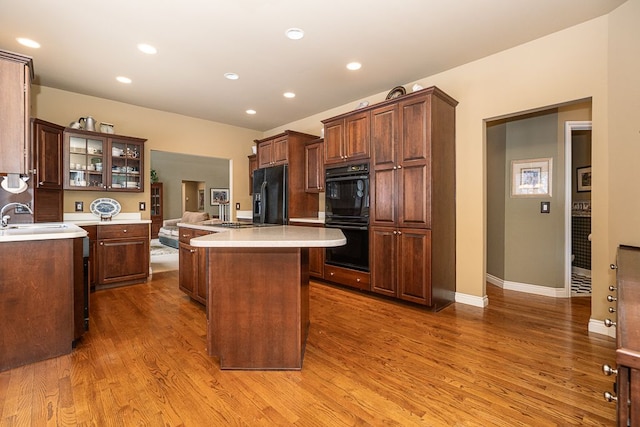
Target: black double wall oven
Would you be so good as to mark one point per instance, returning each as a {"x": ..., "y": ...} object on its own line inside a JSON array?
[{"x": 347, "y": 208}]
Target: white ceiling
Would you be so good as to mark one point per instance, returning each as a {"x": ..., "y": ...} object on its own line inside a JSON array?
[{"x": 87, "y": 43}]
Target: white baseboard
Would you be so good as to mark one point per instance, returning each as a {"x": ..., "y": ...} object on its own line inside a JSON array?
[
  {"x": 597, "y": 327},
  {"x": 472, "y": 300},
  {"x": 527, "y": 288}
]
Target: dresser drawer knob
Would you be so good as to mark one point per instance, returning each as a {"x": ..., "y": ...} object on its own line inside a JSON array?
[
  {"x": 609, "y": 323},
  {"x": 611, "y": 298},
  {"x": 608, "y": 370},
  {"x": 610, "y": 397},
  {"x": 612, "y": 310},
  {"x": 612, "y": 288},
  {"x": 613, "y": 266}
]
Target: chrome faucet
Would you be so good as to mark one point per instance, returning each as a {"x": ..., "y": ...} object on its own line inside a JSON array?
[{"x": 5, "y": 218}]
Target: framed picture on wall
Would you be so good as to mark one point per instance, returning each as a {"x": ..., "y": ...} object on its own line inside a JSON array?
[
  {"x": 583, "y": 179},
  {"x": 219, "y": 196},
  {"x": 531, "y": 177}
]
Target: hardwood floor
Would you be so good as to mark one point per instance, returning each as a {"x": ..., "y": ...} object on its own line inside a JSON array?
[{"x": 524, "y": 361}]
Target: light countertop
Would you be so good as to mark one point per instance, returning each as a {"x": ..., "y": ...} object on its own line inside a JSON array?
[
  {"x": 277, "y": 236},
  {"x": 82, "y": 219},
  {"x": 40, "y": 231},
  {"x": 311, "y": 220}
]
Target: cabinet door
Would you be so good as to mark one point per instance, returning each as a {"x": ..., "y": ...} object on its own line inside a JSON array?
[
  {"x": 264, "y": 154},
  {"x": 316, "y": 262},
  {"x": 357, "y": 140},
  {"x": 123, "y": 260},
  {"x": 155, "y": 208},
  {"x": 384, "y": 162},
  {"x": 383, "y": 260},
  {"x": 188, "y": 268},
  {"x": 414, "y": 152},
  {"x": 127, "y": 166},
  {"x": 47, "y": 205},
  {"x": 314, "y": 167},
  {"x": 334, "y": 141},
  {"x": 253, "y": 165},
  {"x": 414, "y": 265},
  {"x": 48, "y": 141},
  {"x": 279, "y": 151},
  {"x": 85, "y": 162},
  {"x": 14, "y": 115}
]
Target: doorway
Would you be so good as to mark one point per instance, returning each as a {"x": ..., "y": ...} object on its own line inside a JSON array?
[
  {"x": 578, "y": 208},
  {"x": 193, "y": 196}
]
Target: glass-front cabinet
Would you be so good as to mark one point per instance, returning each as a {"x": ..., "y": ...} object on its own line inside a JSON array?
[{"x": 100, "y": 162}]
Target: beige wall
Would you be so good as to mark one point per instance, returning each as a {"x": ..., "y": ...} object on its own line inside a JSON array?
[
  {"x": 163, "y": 131},
  {"x": 592, "y": 60},
  {"x": 566, "y": 66}
]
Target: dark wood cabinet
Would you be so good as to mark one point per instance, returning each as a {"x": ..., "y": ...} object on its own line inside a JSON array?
[
  {"x": 192, "y": 265},
  {"x": 347, "y": 137},
  {"x": 314, "y": 166},
  {"x": 47, "y": 141},
  {"x": 405, "y": 255},
  {"x": 122, "y": 253},
  {"x": 627, "y": 309},
  {"x": 253, "y": 165},
  {"x": 16, "y": 74},
  {"x": 92, "y": 234},
  {"x": 316, "y": 255},
  {"x": 412, "y": 190},
  {"x": 96, "y": 161},
  {"x": 273, "y": 151},
  {"x": 348, "y": 277},
  {"x": 156, "y": 208},
  {"x": 301, "y": 204}
]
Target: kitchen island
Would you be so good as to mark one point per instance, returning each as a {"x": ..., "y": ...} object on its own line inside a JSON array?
[
  {"x": 258, "y": 293},
  {"x": 41, "y": 291}
]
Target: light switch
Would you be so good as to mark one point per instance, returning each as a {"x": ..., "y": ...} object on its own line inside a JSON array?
[
  {"x": 545, "y": 207},
  {"x": 237, "y": 206},
  {"x": 79, "y": 206},
  {"x": 142, "y": 206}
]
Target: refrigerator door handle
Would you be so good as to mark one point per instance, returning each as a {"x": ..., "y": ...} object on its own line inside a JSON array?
[{"x": 263, "y": 201}]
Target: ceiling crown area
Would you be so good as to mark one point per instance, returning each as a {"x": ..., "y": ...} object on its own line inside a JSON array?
[{"x": 85, "y": 45}]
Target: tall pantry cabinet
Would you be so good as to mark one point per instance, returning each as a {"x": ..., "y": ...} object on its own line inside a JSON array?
[{"x": 412, "y": 191}]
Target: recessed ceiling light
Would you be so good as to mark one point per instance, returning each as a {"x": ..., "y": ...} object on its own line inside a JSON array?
[
  {"x": 251, "y": 112},
  {"x": 354, "y": 66},
  {"x": 294, "y": 33},
  {"x": 231, "y": 76},
  {"x": 147, "y": 48},
  {"x": 289, "y": 95},
  {"x": 28, "y": 42},
  {"x": 123, "y": 79}
]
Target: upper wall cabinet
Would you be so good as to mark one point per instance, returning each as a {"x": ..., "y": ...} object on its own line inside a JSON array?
[
  {"x": 347, "y": 137},
  {"x": 102, "y": 162},
  {"x": 16, "y": 73}
]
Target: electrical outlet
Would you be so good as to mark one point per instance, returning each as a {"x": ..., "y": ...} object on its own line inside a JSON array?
[
  {"x": 237, "y": 206},
  {"x": 79, "y": 206},
  {"x": 142, "y": 206},
  {"x": 545, "y": 207}
]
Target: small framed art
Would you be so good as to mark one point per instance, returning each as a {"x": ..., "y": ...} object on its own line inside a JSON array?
[
  {"x": 583, "y": 178},
  {"x": 219, "y": 196},
  {"x": 531, "y": 178}
]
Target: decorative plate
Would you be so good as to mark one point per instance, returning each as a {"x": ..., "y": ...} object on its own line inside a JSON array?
[
  {"x": 397, "y": 92},
  {"x": 105, "y": 207}
]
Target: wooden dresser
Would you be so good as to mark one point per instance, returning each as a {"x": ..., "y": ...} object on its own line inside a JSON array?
[{"x": 627, "y": 386}]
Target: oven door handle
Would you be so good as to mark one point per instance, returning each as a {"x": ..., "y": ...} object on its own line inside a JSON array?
[
  {"x": 345, "y": 178},
  {"x": 348, "y": 227}
]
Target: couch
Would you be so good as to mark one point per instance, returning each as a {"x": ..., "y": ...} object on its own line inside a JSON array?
[{"x": 168, "y": 233}]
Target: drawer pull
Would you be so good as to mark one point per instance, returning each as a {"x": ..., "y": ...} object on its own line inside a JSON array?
[
  {"x": 124, "y": 231},
  {"x": 609, "y": 323},
  {"x": 612, "y": 310},
  {"x": 609, "y": 397},
  {"x": 612, "y": 288},
  {"x": 608, "y": 370},
  {"x": 611, "y": 298},
  {"x": 613, "y": 266},
  {"x": 331, "y": 273},
  {"x": 358, "y": 280},
  {"x": 192, "y": 250}
]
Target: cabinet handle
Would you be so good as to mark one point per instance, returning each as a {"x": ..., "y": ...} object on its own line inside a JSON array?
[
  {"x": 612, "y": 310},
  {"x": 124, "y": 231},
  {"x": 609, "y": 323},
  {"x": 358, "y": 280},
  {"x": 394, "y": 168},
  {"x": 608, "y": 370},
  {"x": 395, "y": 232},
  {"x": 101, "y": 243},
  {"x": 611, "y": 298},
  {"x": 192, "y": 250},
  {"x": 331, "y": 274},
  {"x": 613, "y": 266},
  {"x": 612, "y": 288},
  {"x": 609, "y": 397},
  {"x": 399, "y": 232},
  {"x": 40, "y": 183},
  {"x": 399, "y": 166}
]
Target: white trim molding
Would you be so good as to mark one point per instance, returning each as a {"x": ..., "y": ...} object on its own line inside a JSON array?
[
  {"x": 473, "y": 300},
  {"x": 597, "y": 327},
  {"x": 528, "y": 288}
]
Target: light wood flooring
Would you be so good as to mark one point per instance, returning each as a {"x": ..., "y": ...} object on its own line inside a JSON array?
[{"x": 525, "y": 360}]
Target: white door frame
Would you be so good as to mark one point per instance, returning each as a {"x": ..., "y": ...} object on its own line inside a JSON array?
[{"x": 569, "y": 126}]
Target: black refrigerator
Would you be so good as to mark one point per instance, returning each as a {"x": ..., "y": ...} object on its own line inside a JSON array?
[{"x": 270, "y": 195}]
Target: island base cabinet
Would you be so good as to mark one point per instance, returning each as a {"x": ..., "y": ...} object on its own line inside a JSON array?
[
  {"x": 123, "y": 254},
  {"x": 258, "y": 310},
  {"x": 192, "y": 266},
  {"x": 36, "y": 304}
]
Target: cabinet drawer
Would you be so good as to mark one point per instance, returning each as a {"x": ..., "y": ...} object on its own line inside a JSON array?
[
  {"x": 120, "y": 231},
  {"x": 186, "y": 234},
  {"x": 344, "y": 276}
]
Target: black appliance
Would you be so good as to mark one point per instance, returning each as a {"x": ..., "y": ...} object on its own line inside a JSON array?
[
  {"x": 347, "y": 194},
  {"x": 270, "y": 195},
  {"x": 347, "y": 208}
]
